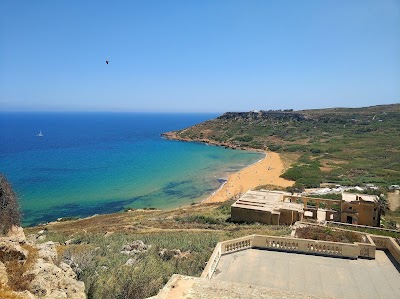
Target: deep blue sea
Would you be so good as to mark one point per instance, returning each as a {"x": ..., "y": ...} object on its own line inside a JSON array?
[{"x": 92, "y": 163}]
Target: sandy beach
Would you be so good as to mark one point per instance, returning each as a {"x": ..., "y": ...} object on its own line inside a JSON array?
[{"x": 264, "y": 172}]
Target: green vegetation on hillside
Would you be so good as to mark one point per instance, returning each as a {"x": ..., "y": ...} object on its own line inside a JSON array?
[
  {"x": 179, "y": 241},
  {"x": 343, "y": 145}
]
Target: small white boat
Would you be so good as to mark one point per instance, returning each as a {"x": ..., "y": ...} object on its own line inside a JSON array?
[{"x": 40, "y": 134}]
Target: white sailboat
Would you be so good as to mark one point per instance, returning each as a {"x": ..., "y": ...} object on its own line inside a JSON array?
[{"x": 40, "y": 134}]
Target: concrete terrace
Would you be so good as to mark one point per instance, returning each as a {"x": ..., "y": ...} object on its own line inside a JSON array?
[
  {"x": 266, "y": 267},
  {"x": 188, "y": 287},
  {"x": 311, "y": 274}
]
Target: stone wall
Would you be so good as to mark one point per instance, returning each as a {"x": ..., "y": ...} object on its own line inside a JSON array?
[
  {"x": 363, "y": 213},
  {"x": 248, "y": 215},
  {"x": 307, "y": 246},
  {"x": 388, "y": 243}
]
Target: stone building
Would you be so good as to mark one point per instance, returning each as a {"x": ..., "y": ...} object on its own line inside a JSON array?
[
  {"x": 360, "y": 209},
  {"x": 275, "y": 207},
  {"x": 266, "y": 207}
]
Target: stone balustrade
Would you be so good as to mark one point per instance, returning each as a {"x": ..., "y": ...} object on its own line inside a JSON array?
[
  {"x": 212, "y": 262},
  {"x": 388, "y": 243},
  {"x": 366, "y": 249},
  {"x": 346, "y": 250},
  {"x": 237, "y": 244},
  {"x": 309, "y": 246}
]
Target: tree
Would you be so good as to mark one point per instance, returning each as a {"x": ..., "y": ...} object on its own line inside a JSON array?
[
  {"x": 9, "y": 208},
  {"x": 383, "y": 204}
]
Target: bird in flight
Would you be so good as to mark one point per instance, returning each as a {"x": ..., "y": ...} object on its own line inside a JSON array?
[{"x": 106, "y": 61}]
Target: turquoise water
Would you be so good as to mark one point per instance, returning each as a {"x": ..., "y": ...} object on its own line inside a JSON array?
[{"x": 89, "y": 163}]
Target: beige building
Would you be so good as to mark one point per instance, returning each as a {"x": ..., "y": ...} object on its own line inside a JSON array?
[
  {"x": 266, "y": 207},
  {"x": 360, "y": 209},
  {"x": 275, "y": 207}
]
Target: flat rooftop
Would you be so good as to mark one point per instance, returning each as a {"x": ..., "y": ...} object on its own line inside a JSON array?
[
  {"x": 352, "y": 197},
  {"x": 315, "y": 275},
  {"x": 264, "y": 200}
]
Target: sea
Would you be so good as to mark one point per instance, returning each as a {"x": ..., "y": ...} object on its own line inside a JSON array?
[{"x": 96, "y": 163}]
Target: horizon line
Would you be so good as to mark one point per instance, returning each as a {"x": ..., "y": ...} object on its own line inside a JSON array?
[{"x": 187, "y": 112}]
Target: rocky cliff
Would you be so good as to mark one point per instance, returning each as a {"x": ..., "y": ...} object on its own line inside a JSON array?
[{"x": 30, "y": 270}]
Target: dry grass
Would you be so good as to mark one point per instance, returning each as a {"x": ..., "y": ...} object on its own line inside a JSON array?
[
  {"x": 326, "y": 169},
  {"x": 7, "y": 293},
  {"x": 133, "y": 221},
  {"x": 327, "y": 234},
  {"x": 288, "y": 159},
  {"x": 17, "y": 281},
  {"x": 94, "y": 251}
]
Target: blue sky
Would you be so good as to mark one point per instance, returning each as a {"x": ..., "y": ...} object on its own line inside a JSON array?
[{"x": 198, "y": 56}]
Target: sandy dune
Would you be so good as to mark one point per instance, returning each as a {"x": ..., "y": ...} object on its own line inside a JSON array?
[{"x": 263, "y": 172}]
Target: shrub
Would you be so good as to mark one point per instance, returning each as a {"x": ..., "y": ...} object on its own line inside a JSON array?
[
  {"x": 199, "y": 219},
  {"x": 18, "y": 280},
  {"x": 391, "y": 224},
  {"x": 336, "y": 196},
  {"x": 296, "y": 188},
  {"x": 246, "y": 138},
  {"x": 327, "y": 234},
  {"x": 315, "y": 150},
  {"x": 80, "y": 258},
  {"x": 9, "y": 208},
  {"x": 274, "y": 147}
]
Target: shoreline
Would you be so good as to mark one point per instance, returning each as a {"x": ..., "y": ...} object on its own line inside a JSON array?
[
  {"x": 224, "y": 183},
  {"x": 262, "y": 172},
  {"x": 266, "y": 171},
  {"x": 173, "y": 136}
]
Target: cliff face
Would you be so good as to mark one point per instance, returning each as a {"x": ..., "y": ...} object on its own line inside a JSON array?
[{"x": 30, "y": 270}]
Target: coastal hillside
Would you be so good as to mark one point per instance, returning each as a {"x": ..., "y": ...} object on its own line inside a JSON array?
[
  {"x": 132, "y": 254},
  {"x": 340, "y": 145}
]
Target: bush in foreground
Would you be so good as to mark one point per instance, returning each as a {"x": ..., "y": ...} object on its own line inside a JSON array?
[{"x": 9, "y": 208}]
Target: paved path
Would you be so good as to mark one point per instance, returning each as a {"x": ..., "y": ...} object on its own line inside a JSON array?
[{"x": 315, "y": 275}]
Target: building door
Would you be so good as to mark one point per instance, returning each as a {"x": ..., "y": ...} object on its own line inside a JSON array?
[{"x": 349, "y": 219}]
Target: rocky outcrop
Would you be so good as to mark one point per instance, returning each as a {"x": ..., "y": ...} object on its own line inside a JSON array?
[
  {"x": 3, "y": 275},
  {"x": 44, "y": 277},
  {"x": 47, "y": 251},
  {"x": 135, "y": 247},
  {"x": 53, "y": 281},
  {"x": 167, "y": 254},
  {"x": 175, "y": 135},
  {"x": 16, "y": 234},
  {"x": 12, "y": 251}
]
